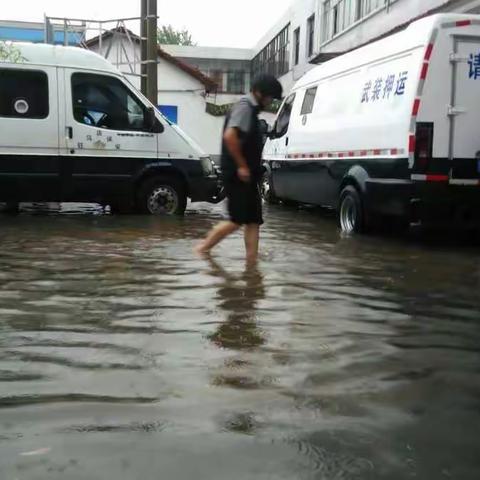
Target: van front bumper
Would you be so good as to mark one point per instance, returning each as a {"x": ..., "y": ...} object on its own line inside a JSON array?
[
  {"x": 207, "y": 189},
  {"x": 426, "y": 203}
]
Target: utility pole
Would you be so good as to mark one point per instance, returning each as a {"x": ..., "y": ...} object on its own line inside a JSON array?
[
  {"x": 152, "y": 52},
  {"x": 143, "y": 45}
]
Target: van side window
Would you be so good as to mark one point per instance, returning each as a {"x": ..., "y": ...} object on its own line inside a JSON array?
[
  {"x": 308, "y": 101},
  {"x": 283, "y": 120},
  {"x": 23, "y": 94},
  {"x": 105, "y": 102}
]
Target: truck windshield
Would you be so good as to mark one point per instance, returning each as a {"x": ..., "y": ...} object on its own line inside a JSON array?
[{"x": 283, "y": 119}]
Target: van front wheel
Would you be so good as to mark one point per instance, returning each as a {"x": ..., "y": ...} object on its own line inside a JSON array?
[
  {"x": 351, "y": 214},
  {"x": 162, "y": 196}
]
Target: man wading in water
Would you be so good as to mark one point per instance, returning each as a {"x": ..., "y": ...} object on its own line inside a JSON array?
[{"x": 242, "y": 167}]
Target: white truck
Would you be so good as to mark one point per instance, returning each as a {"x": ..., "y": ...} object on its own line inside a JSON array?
[
  {"x": 390, "y": 129},
  {"x": 72, "y": 128}
]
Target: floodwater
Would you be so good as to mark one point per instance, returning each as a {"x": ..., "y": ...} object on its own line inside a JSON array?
[{"x": 125, "y": 357}]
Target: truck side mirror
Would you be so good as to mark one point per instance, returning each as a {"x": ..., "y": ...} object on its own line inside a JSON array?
[
  {"x": 264, "y": 127},
  {"x": 272, "y": 131},
  {"x": 152, "y": 123},
  {"x": 266, "y": 130}
]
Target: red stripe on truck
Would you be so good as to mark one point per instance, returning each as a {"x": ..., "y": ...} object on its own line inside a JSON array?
[
  {"x": 463, "y": 23},
  {"x": 423, "y": 75},
  {"x": 412, "y": 142},
  {"x": 437, "y": 178},
  {"x": 416, "y": 107},
  {"x": 428, "y": 53}
]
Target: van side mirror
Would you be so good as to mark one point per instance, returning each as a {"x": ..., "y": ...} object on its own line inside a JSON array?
[{"x": 152, "y": 123}]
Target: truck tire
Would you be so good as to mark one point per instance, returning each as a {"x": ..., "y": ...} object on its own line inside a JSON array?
[
  {"x": 162, "y": 195},
  {"x": 268, "y": 193},
  {"x": 351, "y": 215}
]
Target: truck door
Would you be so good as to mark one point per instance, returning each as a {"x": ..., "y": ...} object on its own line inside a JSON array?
[
  {"x": 279, "y": 148},
  {"x": 464, "y": 111},
  {"x": 106, "y": 139},
  {"x": 29, "y": 133}
]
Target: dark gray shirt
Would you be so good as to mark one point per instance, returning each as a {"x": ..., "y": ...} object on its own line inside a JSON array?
[
  {"x": 243, "y": 117},
  {"x": 241, "y": 114}
]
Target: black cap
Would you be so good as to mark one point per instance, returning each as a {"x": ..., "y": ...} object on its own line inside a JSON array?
[{"x": 268, "y": 86}]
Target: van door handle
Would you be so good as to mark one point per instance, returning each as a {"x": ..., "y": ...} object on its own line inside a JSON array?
[
  {"x": 69, "y": 132},
  {"x": 286, "y": 141}
]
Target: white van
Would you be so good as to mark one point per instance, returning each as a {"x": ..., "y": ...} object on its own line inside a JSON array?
[
  {"x": 390, "y": 129},
  {"x": 72, "y": 128}
]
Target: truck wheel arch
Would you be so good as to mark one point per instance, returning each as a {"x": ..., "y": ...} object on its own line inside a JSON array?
[
  {"x": 160, "y": 170},
  {"x": 357, "y": 176}
]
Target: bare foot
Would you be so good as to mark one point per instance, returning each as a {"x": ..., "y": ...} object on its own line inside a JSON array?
[{"x": 200, "y": 250}]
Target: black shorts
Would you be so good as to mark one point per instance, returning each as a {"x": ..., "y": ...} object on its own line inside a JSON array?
[{"x": 244, "y": 202}]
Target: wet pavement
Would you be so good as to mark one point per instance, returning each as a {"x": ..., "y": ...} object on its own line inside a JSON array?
[{"x": 123, "y": 356}]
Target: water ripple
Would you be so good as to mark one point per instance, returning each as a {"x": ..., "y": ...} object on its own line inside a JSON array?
[{"x": 336, "y": 358}]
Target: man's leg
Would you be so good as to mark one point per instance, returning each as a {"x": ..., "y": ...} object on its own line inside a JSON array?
[
  {"x": 216, "y": 235},
  {"x": 252, "y": 237}
]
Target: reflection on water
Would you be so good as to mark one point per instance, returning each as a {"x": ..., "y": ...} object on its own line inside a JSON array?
[
  {"x": 238, "y": 297},
  {"x": 124, "y": 356}
]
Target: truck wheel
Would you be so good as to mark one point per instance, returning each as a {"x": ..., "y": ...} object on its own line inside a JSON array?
[
  {"x": 268, "y": 193},
  {"x": 162, "y": 196},
  {"x": 350, "y": 214}
]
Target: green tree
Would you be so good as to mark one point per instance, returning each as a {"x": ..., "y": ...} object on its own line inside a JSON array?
[
  {"x": 10, "y": 53},
  {"x": 167, "y": 35}
]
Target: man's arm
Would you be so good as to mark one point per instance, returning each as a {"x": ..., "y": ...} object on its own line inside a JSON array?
[{"x": 234, "y": 146}]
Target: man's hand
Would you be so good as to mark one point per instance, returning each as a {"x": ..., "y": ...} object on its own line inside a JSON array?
[{"x": 244, "y": 174}]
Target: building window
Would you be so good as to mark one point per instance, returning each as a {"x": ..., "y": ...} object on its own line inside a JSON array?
[
  {"x": 105, "y": 102},
  {"x": 310, "y": 35},
  {"x": 369, "y": 6},
  {"x": 296, "y": 40},
  {"x": 308, "y": 101},
  {"x": 336, "y": 18},
  {"x": 24, "y": 94},
  {"x": 273, "y": 59},
  {"x": 233, "y": 81},
  {"x": 217, "y": 77},
  {"x": 236, "y": 82},
  {"x": 358, "y": 10},
  {"x": 326, "y": 21},
  {"x": 338, "y": 15}
]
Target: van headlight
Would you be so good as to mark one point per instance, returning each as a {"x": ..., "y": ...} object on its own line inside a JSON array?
[{"x": 208, "y": 166}]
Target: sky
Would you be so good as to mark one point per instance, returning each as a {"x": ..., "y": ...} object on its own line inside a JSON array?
[{"x": 227, "y": 23}]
